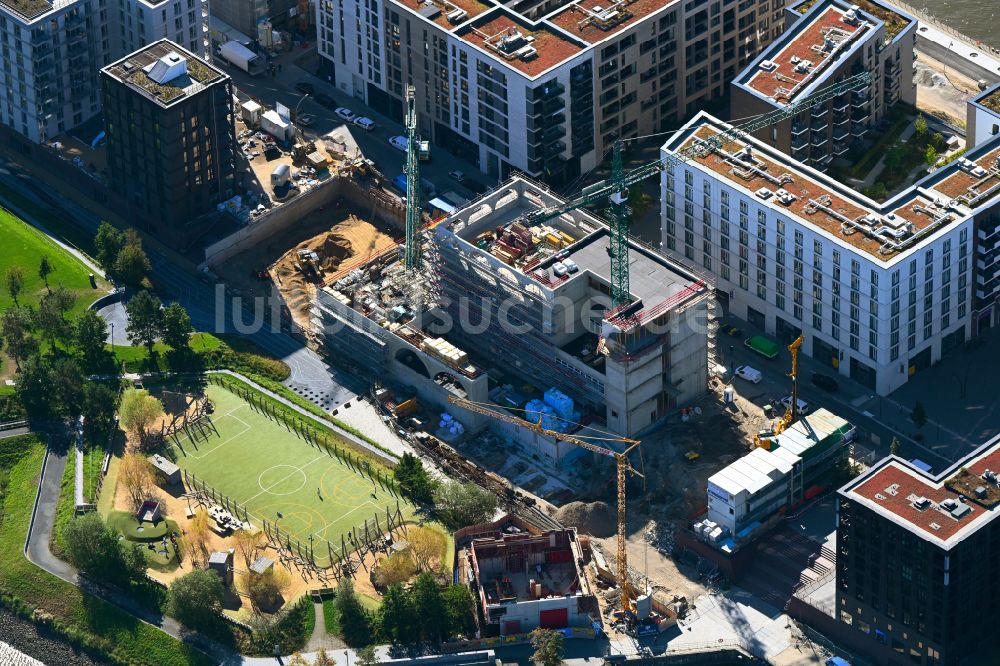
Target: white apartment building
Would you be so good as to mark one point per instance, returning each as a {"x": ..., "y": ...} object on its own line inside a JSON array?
[
  {"x": 541, "y": 86},
  {"x": 880, "y": 291},
  {"x": 51, "y": 53}
]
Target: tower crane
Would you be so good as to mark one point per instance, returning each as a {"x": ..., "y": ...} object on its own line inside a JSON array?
[
  {"x": 411, "y": 258},
  {"x": 617, "y": 189},
  {"x": 621, "y": 463}
]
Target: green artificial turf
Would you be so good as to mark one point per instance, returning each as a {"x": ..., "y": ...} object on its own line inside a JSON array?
[
  {"x": 269, "y": 469},
  {"x": 23, "y": 246}
]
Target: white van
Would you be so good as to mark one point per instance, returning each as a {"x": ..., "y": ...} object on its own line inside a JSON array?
[
  {"x": 801, "y": 406},
  {"x": 749, "y": 374},
  {"x": 399, "y": 142},
  {"x": 559, "y": 268},
  {"x": 365, "y": 123}
]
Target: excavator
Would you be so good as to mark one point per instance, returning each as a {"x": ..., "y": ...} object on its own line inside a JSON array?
[
  {"x": 764, "y": 438},
  {"x": 624, "y": 468}
]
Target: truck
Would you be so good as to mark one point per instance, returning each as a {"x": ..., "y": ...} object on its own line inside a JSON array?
[
  {"x": 239, "y": 55},
  {"x": 764, "y": 346}
]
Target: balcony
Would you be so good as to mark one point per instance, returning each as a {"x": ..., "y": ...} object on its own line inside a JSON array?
[
  {"x": 841, "y": 103},
  {"x": 818, "y": 110},
  {"x": 799, "y": 128},
  {"x": 841, "y": 132},
  {"x": 859, "y": 97},
  {"x": 859, "y": 129},
  {"x": 552, "y": 149},
  {"x": 799, "y": 142},
  {"x": 550, "y": 135},
  {"x": 840, "y": 118},
  {"x": 819, "y": 126},
  {"x": 840, "y": 148},
  {"x": 818, "y": 140},
  {"x": 549, "y": 91}
]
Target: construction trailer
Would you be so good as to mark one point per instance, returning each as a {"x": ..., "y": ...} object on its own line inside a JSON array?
[
  {"x": 743, "y": 496},
  {"x": 529, "y": 307},
  {"x": 524, "y": 580}
]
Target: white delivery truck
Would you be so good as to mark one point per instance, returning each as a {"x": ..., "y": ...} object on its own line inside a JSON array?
[{"x": 239, "y": 55}]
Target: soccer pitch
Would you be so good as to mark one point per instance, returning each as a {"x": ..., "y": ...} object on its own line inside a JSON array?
[{"x": 277, "y": 475}]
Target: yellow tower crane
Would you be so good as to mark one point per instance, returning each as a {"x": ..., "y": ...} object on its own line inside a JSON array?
[
  {"x": 792, "y": 410},
  {"x": 621, "y": 462}
]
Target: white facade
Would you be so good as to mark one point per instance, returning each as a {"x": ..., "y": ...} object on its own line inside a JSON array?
[
  {"x": 875, "y": 318},
  {"x": 52, "y": 57},
  {"x": 981, "y": 122}
]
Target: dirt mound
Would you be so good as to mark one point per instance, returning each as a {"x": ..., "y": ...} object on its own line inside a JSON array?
[{"x": 594, "y": 518}]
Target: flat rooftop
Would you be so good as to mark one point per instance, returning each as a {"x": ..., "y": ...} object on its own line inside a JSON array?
[
  {"x": 894, "y": 20},
  {"x": 140, "y": 71},
  {"x": 518, "y": 43},
  {"x": 942, "y": 509},
  {"x": 447, "y": 13},
  {"x": 595, "y": 20},
  {"x": 804, "y": 54},
  {"x": 884, "y": 231},
  {"x": 655, "y": 282},
  {"x": 27, "y": 9}
]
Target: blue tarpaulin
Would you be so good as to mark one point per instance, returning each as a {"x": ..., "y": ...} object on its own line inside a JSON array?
[
  {"x": 920, "y": 464},
  {"x": 440, "y": 204},
  {"x": 837, "y": 661}
]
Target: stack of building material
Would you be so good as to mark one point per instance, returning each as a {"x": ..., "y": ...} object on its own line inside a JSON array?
[{"x": 445, "y": 351}]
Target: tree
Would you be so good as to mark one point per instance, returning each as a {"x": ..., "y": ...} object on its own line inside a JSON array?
[
  {"x": 51, "y": 316},
  {"x": 396, "y": 616},
  {"x": 426, "y": 545},
  {"x": 195, "y": 541},
  {"x": 16, "y": 327},
  {"x": 196, "y": 598},
  {"x": 367, "y": 656},
  {"x": 33, "y": 383},
  {"x": 894, "y": 157},
  {"x": 132, "y": 265},
  {"x": 920, "y": 125},
  {"x": 136, "y": 476},
  {"x": 109, "y": 242},
  {"x": 67, "y": 386},
  {"x": 94, "y": 548},
  {"x": 266, "y": 590},
  {"x": 397, "y": 568},
  {"x": 176, "y": 326},
  {"x": 89, "y": 335},
  {"x": 352, "y": 617},
  {"x": 15, "y": 282},
  {"x": 462, "y": 504},
  {"x": 425, "y": 599},
  {"x": 931, "y": 156},
  {"x": 45, "y": 270},
  {"x": 98, "y": 405},
  {"x": 145, "y": 320},
  {"x": 138, "y": 411},
  {"x": 937, "y": 140},
  {"x": 248, "y": 545},
  {"x": 413, "y": 479},
  {"x": 459, "y": 610},
  {"x": 919, "y": 416},
  {"x": 895, "y": 447},
  {"x": 548, "y": 647},
  {"x": 323, "y": 658}
]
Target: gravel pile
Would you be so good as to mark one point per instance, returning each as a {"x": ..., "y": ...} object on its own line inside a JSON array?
[
  {"x": 594, "y": 518},
  {"x": 24, "y": 637}
]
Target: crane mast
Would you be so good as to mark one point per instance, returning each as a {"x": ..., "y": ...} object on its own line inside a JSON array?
[
  {"x": 411, "y": 258},
  {"x": 623, "y": 468},
  {"x": 617, "y": 189}
]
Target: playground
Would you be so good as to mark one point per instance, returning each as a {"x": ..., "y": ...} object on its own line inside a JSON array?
[{"x": 299, "y": 486}]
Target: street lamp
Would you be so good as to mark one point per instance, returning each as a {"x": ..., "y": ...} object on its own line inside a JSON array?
[{"x": 295, "y": 113}]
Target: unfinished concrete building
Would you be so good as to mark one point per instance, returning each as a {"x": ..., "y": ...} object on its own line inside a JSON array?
[
  {"x": 503, "y": 310},
  {"x": 523, "y": 581}
]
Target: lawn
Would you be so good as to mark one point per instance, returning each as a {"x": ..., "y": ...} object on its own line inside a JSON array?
[
  {"x": 277, "y": 475},
  {"x": 213, "y": 353},
  {"x": 145, "y": 535},
  {"x": 24, "y": 246},
  {"x": 77, "y": 615}
]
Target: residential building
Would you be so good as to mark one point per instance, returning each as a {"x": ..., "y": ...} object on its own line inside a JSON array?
[
  {"x": 744, "y": 496},
  {"x": 171, "y": 138},
  {"x": 918, "y": 560},
  {"x": 880, "y": 290},
  {"x": 983, "y": 127},
  {"x": 542, "y": 87},
  {"x": 832, "y": 41},
  {"x": 523, "y": 578},
  {"x": 500, "y": 311},
  {"x": 52, "y": 52},
  {"x": 247, "y": 15}
]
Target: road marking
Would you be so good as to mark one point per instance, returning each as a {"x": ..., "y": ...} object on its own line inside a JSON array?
[
  {"x": 319, "y": 532},
  {"x": 221, "y": 444},
  {"x": 296, "y": 471}
]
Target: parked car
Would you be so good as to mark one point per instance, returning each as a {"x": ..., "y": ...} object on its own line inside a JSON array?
[
  {"x": 732, "y": 331},
  {"x": 325, "y": 100},
  {"x": 458, "y": 176},
  {"x": 305, "y": 88},
  {"x": 305, "y": 119},
  {"x": 344, "y": 113},
  {"x": 825, "y": 382},
  {"x": 367, "y": 124},
  {"x": 802, "y": 407},
  {"x": 751, "y": 375},
  {"x": 399, "y": 142}
]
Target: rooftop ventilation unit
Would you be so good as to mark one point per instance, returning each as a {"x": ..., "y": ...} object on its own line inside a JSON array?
[
  {"x": 894, "y": 221},
  {"x": 990, "y": 476},
  {"x": 512, "y": 41},
  {"x": 960, "y": 510},
  {"x": 795, "y": 59},
  {"x": 785, "y": 197},
  {"x": 978, "y": 172},
  {"x": 980, "y": 492},
  {"x": 527, "y": 53},
  {"x": 764, "y": 193},
  {"x": 921, "y": 503},
  {"x": 851, "y": 15},
  {"x": 803, "y": 66},
  {"x": 457, "y": 15},
  {"x": 768, "y": 65},
  {"x": 949, "y": 504},
  {"x": 829, "y": 44},
  {"x": 745, "y": 154}
]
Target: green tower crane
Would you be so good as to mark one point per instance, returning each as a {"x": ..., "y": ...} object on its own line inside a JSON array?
[
  {"x": 411, "y": 259},
  {"x": 616, "y": 190}
]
